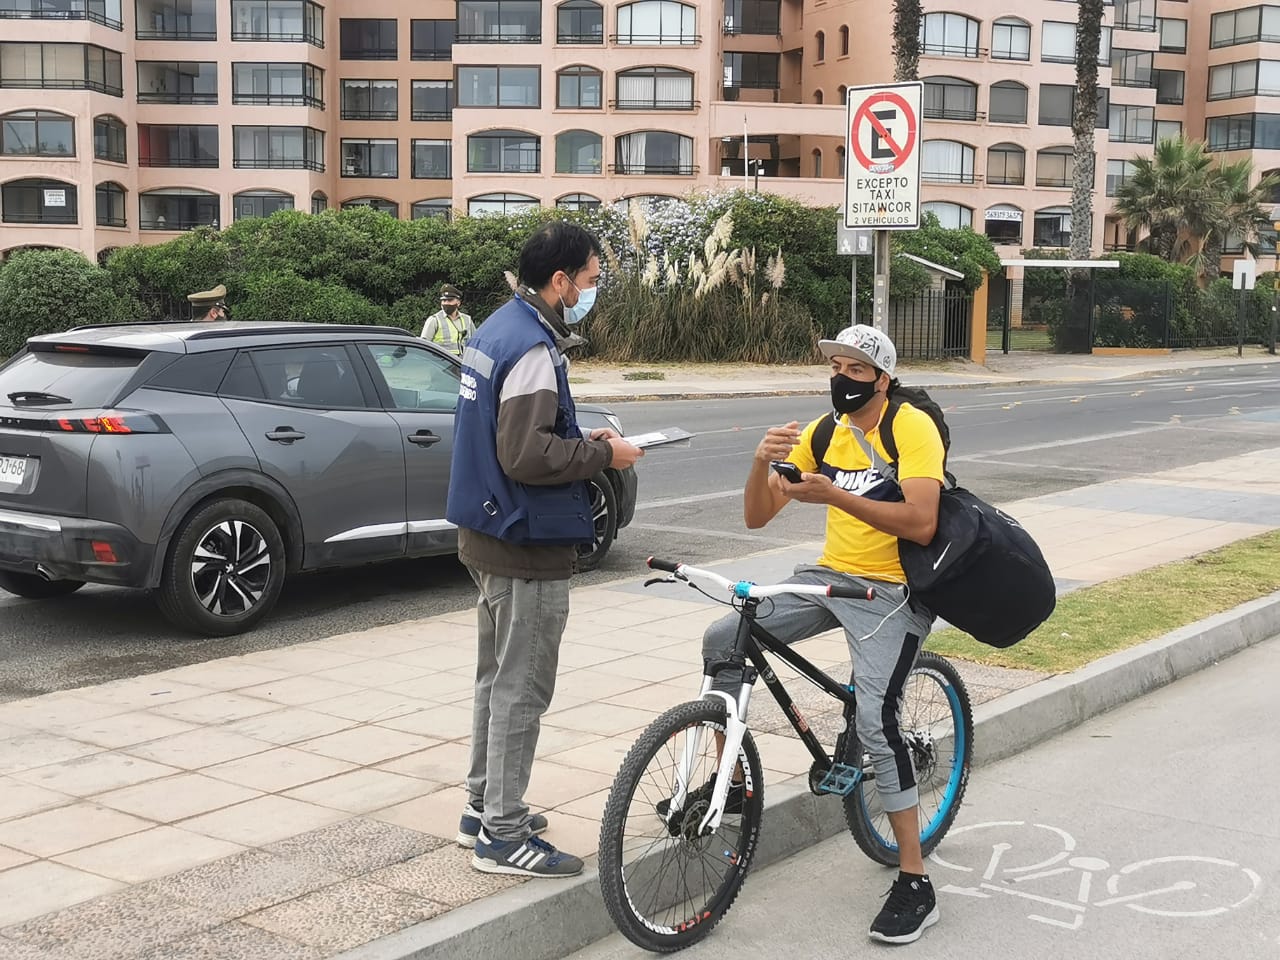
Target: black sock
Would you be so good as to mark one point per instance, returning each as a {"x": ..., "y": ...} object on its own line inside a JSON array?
[{"x": 903, "y": 875}]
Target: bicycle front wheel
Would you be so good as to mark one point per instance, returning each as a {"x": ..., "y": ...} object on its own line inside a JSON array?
[
  {"x": 937, "y": 727},
  {"x": 664, "y": 883}
]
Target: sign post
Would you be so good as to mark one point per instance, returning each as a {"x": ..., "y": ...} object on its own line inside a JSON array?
[
  {"x": 1243, "y": 277},
  {"x": 882, "y": 172},
  {"x": 853, "y": 243}
]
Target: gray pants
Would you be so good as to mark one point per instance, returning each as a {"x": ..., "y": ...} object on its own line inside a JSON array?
[
  {"x": 520, "y": 626},
  {"x": 881, "y": 663}
]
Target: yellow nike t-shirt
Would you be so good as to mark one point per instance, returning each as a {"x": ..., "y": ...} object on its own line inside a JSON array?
[{"x": 853, "y": 546}]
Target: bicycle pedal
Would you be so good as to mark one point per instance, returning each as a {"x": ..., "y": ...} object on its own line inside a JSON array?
[{"x": 841, "y": 779}]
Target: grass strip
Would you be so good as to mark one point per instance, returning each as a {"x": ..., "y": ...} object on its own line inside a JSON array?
[{"x": 1094, "y": 621}]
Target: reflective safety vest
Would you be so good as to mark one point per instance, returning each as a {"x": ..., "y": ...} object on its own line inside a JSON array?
[{"x": 450, "y": 334}]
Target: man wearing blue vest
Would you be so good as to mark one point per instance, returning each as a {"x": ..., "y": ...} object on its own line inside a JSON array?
[{"x": 518, "y": 495}]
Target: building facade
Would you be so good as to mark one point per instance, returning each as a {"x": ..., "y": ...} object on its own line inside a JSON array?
[{"x": 130, "y": 120}]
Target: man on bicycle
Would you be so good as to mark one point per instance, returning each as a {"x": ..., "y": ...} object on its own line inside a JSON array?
[{"x": 867, "y": 513}]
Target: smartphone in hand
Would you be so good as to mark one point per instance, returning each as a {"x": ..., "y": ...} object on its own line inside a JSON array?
[{"x": 788, "y": 471}]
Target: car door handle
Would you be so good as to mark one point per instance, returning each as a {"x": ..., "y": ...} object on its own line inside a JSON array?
[
  {"x": 286, "y": 435},
  {"x": 423, "y": 438}
]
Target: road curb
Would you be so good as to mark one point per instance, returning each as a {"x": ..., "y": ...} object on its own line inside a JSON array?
[{"x": 547, "y": 920}]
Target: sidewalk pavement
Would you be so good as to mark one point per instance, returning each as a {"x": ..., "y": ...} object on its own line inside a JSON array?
[
  {"x": 605, "y": 382},
  {"x": 299, "y": 802}
]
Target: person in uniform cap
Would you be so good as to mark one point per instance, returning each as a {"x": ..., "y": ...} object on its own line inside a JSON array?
[
  {"x": 449, "y": 326},
  {"x": 208, "y": 305}
]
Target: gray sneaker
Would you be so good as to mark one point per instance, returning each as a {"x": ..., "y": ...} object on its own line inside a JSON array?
[
  {"x": 469, "y": 827},
  {"x": 523, "y": 858}
]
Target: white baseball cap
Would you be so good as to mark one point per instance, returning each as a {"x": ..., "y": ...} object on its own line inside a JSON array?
[{"x": 865, "y": 343}]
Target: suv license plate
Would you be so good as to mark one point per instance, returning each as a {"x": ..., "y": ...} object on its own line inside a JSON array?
[{"x": 13, "y": 470}]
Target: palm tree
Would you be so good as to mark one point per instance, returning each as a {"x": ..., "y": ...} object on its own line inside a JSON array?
[
  {"x": 1084, "y": 121},
  {"x": 908, "y": 18}
]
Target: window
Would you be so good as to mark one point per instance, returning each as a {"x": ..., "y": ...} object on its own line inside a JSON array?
[
  {"x": 177, "y": 82},
  {"x": 278, "y": 84},
  {"x": 38, "y": 201},
  {"x": 654, "y": 153},
  {"x": 817, "y": 164},
  {"x": 1136, "y": 15},
  {"x": 1010, "y": 39},
  {"x": 1057, "y": 102},
  {"x": 820, "y": 43},
  {"x": 278, "y": 148},
  {"x": 109, "y": 139},
  {"x": 1052, "y": 227},
  {"x": 306, "y": 375},
  {"x": 1055, "y": 167},
  {"x": 844, "y": 41},
  {"x": 1247, "y": 78},
  {"x": 817, "y": 96},
  {"x": 580, "y": 21},
  {"x": 504, "y": 151},
  {"x": 950, "y": 215},
  {"x": 751, "y": 71},
  {"x": 415, "y": 378},
  {"x": 259, "y": 203},
  {"x": 499, "y": 21},
  {"x": 109, "y": 201},
  {"x": 1170, "y": 85},
  {"x": 105, "y": 12},
  {"x": 37, "y": 133},
  {"x": 949, "y": 35},
  {"x": 1003, "y": 224},
  {"x": 662, "y": 22},
  {"x": 177, "y": 209},
  {"x": 432, "y": 159},
  {"x": 370, "y": 99},
  {"x": 1245, "y": 131},
  {"x": 378, "y": 204},
  {"x": 431, "y": 39},
  {"x": 1173, "y": 35},
  {"x": 1006, "y": 165},
  {"x": 177, "y": 146},
  {"x": 842, "y": 93},
  {"x": 1245, "y": 26},
  {"x": 579, "y": 151},
  {"x": 499, "y": 87},
  {"x": 1118, "y": 171},
  {"x": 579, "y": 88},
  {"x": 319, "y": 202},
  {"x": 370, "y": 158},
  {"x": 1008, "y": 102},
  {"x": 442, "y": 208},
  {"x": 839, "y": 161},
  {"x": 60, "y": 66},
  {"x": 367, "y": 39},
  {"x": 499, "y": 203},
  {"x": 655, "y": 88},
  {"x": 296, "y": 21},
  {"x": 1058, "y": 43},
  {"x": 578, "y": 201},
  {"x": 946, "y": 161},
  {"x": 1130, "y": 124},
  {"x": 1130, "y": 68},
  {"x": 755, "y": 17},
  {"x": 432, "y": 99},
  {"x": 177, "y": 19},
  {"x": 1168, "y": 130},
  {"x": 949, "y": 98}
]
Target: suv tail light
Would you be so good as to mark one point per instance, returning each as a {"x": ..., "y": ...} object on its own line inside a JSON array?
[{"x": 89, "y": 421}]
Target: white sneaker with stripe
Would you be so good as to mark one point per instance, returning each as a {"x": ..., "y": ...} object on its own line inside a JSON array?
[{"x": 523, "y": 858}]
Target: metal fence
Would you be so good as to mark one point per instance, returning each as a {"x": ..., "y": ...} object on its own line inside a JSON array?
[{"x": 932, "y": 325}]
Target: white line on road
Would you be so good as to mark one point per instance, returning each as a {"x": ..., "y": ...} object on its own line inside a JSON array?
[
  {"x": 1064, "y": 442},
  {"x": 695, "y": 498}
]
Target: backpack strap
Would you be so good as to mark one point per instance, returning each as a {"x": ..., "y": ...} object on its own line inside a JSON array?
[
  {"x": 821, "y": 438},
  {"x": 886, "y": 430}
]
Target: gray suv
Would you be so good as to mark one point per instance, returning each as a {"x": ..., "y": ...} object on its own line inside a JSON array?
[{"x": 205, "y": 461}]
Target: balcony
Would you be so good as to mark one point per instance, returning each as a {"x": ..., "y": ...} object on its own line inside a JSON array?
[
  {"x": 1053, "y": 181},
  {"x": 499, "y": 37},
  {"x": 178, "y": 97},
  {"x": 654, "y": 105},
  {"x": 72, "y": 10},
  {"x": 354, "y": 113},
  {"x": 965, "y": 115},
  {"x": 432, "y": 115},
  {"x": 653, "y": 170},
  {"x": 278, "y": 100},
  {"x": 202, "y": 163}
]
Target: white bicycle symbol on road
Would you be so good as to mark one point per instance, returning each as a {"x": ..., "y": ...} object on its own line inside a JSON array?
[{"x": 1159, "y": 886}]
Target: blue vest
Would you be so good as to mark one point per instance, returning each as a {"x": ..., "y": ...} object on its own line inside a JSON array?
[{"x": 481, "y": 496}]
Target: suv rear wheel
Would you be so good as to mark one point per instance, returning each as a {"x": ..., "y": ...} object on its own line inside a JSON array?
[
  {"x": 604, "y": 521},
  {"x": 37, "y": 588},
  {"x": 225, "y": 569}
]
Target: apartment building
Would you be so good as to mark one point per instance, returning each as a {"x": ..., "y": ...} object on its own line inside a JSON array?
[{"x": 130, "y": 120}]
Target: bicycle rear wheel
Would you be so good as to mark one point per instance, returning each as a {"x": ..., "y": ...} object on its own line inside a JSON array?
[
  {"x": 665, "y": 886},
  {"x": 937, "y": 727}
]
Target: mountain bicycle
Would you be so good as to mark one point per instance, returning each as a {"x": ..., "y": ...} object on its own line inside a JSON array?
[{"x": 682, "y": 820}]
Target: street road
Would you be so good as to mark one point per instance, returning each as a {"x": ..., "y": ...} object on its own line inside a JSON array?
[
  {"x": 1007, "y": 443},
  {"x": 1148, "y": 833}
]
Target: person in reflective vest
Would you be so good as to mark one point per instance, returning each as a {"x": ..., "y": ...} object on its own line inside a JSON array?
[{"x": 449, "y": 326}]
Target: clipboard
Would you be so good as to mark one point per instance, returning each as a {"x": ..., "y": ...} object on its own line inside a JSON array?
[{"x": 656, "y": 438}]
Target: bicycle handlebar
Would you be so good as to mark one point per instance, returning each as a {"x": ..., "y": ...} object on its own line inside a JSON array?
[{"x": 744, "y": 588}]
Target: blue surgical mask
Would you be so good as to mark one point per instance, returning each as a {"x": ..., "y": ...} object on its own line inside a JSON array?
[{"x": 586, "y": 300}]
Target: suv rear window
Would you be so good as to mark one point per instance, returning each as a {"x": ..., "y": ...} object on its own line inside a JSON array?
[{"x": 85, "y": 379}]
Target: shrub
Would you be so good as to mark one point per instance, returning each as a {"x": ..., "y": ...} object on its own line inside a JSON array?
[{"x": 45, "y": 291}]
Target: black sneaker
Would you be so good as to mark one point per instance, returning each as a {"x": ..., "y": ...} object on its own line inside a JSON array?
[
  {"x": 732, "y": 800},
  {"x": 911, "y": 908}
]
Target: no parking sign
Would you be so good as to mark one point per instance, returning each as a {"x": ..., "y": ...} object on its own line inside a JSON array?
[{"x": 882, "y": 175}]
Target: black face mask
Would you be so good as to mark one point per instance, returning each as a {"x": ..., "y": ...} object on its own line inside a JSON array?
[{"x": 849, "y": 395}]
